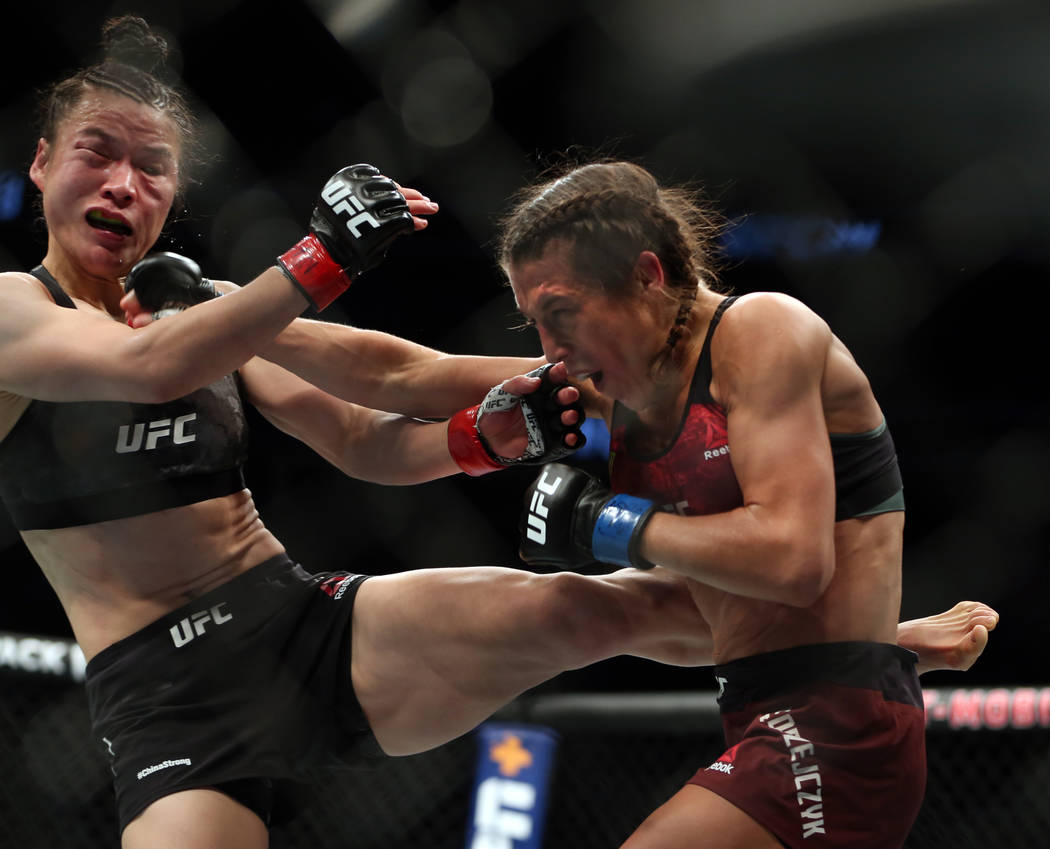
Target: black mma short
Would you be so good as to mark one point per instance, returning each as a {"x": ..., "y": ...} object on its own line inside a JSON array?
[
  {"x": 248, "y": 683},
  {"x": 827, "y": 744}
]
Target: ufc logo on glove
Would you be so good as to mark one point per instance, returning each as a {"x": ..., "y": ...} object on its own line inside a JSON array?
[
  {"x": 340, "y": 197},
  {"x": 537, "y": 525},
  {"x": 570, "y": 519}
]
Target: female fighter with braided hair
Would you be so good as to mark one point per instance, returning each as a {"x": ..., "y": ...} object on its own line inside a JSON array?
[
  {"x": 749, "y": 456},
  {"x": 215, "y": 663}
]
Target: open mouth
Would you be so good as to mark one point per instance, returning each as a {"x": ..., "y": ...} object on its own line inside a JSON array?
[{"x": 103, "y": 222}]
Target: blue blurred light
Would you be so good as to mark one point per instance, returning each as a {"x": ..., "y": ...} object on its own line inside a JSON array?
[
  {"x": 797, "y": 237},
  {"x": 597, "y": 447},
  {"x": 12, "y": 190}
]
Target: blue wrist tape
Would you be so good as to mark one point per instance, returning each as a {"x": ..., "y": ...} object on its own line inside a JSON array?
[{"x": 610, "y": 542}]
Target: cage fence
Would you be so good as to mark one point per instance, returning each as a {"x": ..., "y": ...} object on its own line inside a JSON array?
[{"x": 618, "y": 756}]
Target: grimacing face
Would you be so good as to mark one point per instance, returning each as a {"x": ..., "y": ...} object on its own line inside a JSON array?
[
  {"x": 609, "y": 339},
  {"x": 108, "y": 181}
]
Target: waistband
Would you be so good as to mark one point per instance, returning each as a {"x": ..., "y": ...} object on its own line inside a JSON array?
[
  {"x": 279, "y": 565},
  {"x": 876, "y": 666}
]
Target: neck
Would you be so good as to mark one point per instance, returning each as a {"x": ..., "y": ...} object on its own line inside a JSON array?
[
  {"x": 673, "y": 371},
  {"x": 103, "y": 293}
]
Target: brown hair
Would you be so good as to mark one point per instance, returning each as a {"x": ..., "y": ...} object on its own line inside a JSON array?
[
  {"x": 133, "y": 64},
  {"x": 607, "y": 213}
]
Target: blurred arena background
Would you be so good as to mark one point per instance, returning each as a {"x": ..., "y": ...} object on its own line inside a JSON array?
[{"x": 886, "y": 161}]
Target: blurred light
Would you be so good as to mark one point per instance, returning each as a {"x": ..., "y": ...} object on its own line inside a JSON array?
[
  {"x": 347, "y": 21},
  {"x": 372, "y": 133},
  {"x": 1015, "y": 475},
  {"x": 701, "y": 36},
  {"x": 250, "y": 230},
  {"x": 446, "y": 101},
  {"x": 767, "y": 237},
  {"x": 12, "y": 190},
  {"x": 597, "y": 447},
  {"x": 256, "y": 246},
  {"x": 978, "y": 215},
  {"x": 502, "y": 35}
]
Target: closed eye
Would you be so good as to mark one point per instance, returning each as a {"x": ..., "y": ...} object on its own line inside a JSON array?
[{"x": 93, "y": 154}]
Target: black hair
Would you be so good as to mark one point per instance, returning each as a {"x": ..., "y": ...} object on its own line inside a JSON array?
[{"x": 134, "y": 64}]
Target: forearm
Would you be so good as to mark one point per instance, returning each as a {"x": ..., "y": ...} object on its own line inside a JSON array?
[
  {"x": 396, "y": 450},
  {"x": 745, "y": 552},
  {"x": 363, "y": 443},
  {"x": 384, "y": 372},
  {"x": 203, "y": 343}
]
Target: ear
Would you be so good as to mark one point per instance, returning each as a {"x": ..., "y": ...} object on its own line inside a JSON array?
[
  {"x": 38, "y": 168},
  {"x": 649, "y": 271}
]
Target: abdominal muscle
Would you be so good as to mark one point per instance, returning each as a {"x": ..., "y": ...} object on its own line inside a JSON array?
[
  {"x": 113, "y": 578},
  {"x": 862, "y": 602}
]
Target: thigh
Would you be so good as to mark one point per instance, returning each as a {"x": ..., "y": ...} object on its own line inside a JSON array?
[
  {"x": 196, "y": 819},
  {"x": 437, "y": 651},
  {"x": 697, "y": 818}
]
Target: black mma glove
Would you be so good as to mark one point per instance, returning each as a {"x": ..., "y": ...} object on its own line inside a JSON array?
[
  {"x": 570, "y": 520},
  {"x": 542, "y": 413},
  {"x": 166, "y": 282},
  {"x": 358, "y": 216}
]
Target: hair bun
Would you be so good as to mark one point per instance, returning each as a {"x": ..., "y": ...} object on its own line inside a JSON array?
[{"x": 130, "y": 41}]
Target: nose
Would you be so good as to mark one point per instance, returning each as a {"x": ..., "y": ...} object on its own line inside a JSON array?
[
  {"x": 120, "y": 183},
  {"x": 554, "y": 349}
]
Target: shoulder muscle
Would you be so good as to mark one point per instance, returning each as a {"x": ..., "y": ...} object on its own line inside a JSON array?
[{"x": 769, "y": 346}]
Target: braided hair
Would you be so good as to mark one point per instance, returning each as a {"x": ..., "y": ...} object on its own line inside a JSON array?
[
  {"x": 607, "y": 213},
  {"x": 133, "y": 64}
]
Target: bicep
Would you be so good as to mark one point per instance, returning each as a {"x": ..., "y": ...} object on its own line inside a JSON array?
[
  {"x": 782, "y": 460},
  {"x": 59, "y": 354},
  {"x": 776, "y": 427},
  {"x": 298, "y": 408},
  {"x": 361, "y": 442}
]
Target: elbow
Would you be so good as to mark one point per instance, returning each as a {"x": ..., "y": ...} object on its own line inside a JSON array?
[
  {"x": 149, "y": 377},
  {"x": 806, "y": 575},
  {"x": 160, "y": 387}
]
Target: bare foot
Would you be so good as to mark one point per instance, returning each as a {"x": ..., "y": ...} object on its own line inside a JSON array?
[{"x": 950, "y": 640}]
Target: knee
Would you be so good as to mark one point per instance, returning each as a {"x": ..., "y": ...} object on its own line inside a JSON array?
[{"x": 581, "y": 616}]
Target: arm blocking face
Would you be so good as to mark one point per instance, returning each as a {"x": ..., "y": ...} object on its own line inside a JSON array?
[{"x": 166, "y": 281}]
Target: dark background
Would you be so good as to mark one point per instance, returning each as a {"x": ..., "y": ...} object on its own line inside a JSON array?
[{"x": 887, "y": 162}]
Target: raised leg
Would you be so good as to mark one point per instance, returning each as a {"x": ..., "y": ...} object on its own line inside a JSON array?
[
  {"x": 196, "y": 819},
  {"x": 437, "y": 651}
]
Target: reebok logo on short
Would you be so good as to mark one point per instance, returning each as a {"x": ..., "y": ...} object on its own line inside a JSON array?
[
  {"x": 725, "y": 761},
  {"x": 335, "y": 587}
]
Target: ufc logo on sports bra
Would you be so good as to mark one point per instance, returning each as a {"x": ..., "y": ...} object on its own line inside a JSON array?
[
  {"x": 338, "y": 196},
  {"x": 192, "y": 626},
  {"x": 131, "y": 438}
]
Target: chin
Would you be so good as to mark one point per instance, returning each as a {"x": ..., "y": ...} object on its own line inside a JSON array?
[{"x": 108, "y": 262}]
